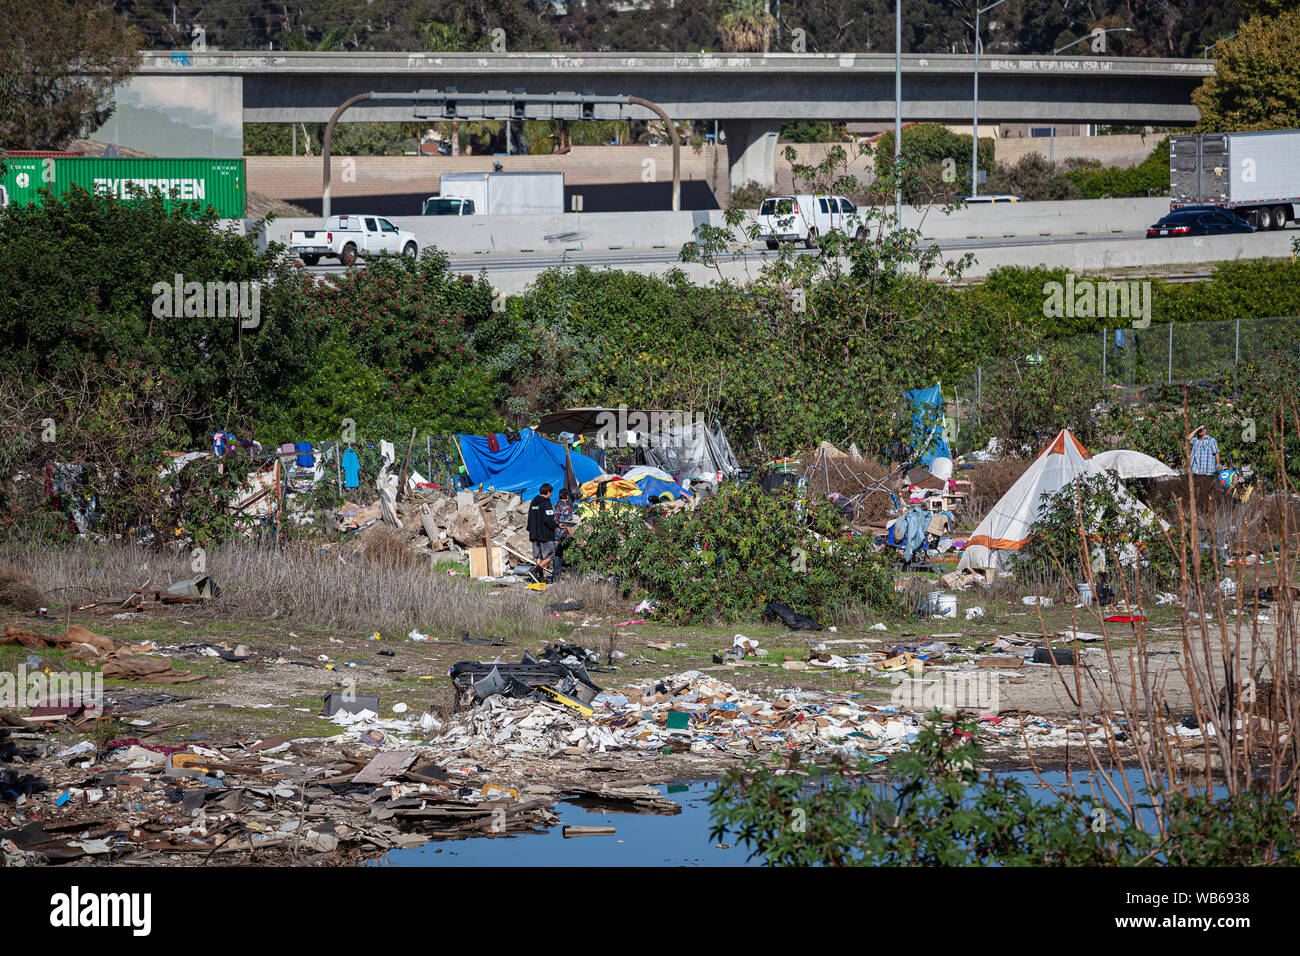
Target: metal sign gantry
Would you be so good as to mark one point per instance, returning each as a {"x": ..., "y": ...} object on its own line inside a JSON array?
[{"x": 449, "y": 103}]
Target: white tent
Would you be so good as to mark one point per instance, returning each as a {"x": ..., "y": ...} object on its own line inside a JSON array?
[
  {"x": 1132, "y": 464},
  {"x": 1006, "y": 527}
]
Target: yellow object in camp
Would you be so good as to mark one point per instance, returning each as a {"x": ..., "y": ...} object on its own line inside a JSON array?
[
  {"x": 553, "y": 694},
  {"x": 614, "y": 488}
]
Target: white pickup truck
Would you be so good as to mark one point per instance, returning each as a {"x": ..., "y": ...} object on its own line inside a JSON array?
[{"x": 346, "y": 238}]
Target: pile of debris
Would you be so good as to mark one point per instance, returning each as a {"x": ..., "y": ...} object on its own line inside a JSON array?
[
  {"x": 691, "y": 711},
  {"x": 116, "y": 660},
  {"x": 447, "y": 528},
  {"x": 360, "y": 791}
]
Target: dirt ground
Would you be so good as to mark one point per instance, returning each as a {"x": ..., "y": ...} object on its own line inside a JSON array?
[
  {"x": 279, "y": 690},
  {"x": 276, "y": 694}
]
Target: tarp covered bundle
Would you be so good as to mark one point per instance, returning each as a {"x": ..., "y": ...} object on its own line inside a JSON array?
[
  {"x": 692, "y": 451},
  {"x": 928, "y": 441},
  {"x": 521, "y": 466},
  {"x": 1130, "y": 464}
]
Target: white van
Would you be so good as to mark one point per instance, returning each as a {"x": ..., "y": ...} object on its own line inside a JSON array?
[{"x": 803, "y": 218}]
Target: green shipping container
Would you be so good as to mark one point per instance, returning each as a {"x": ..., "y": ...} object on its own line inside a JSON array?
[{"x": 219, "y": 183}]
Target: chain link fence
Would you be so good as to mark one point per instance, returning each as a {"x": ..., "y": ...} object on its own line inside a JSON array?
[{"x": 1127, "y": 360}]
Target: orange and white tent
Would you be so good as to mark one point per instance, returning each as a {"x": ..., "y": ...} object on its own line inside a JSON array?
[{"x": 1006, "y": 527}]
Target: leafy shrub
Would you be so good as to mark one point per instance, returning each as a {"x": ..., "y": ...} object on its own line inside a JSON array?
[
  {"x": 1149, "y": 178},
  {"x": 78, "y": 290},
  {"x": 1117, "y": 530},
  {"x": 937, "y": 809},
  {"x": 750, "y": 195},
  {"x": 735, "y": 552}
]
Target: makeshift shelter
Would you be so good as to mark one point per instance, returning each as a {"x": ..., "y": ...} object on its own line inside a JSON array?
[
  {"x": 1130, "y": 465},
  {"x": 1005, "y": 529},
  {"x": 928, "y": 441},
  {"x": 692, "y": 451},
  {"x": 672, "y": 441},
  {"x": 521, "y": 466}
]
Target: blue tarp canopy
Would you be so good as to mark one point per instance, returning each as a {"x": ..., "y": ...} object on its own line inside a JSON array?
[
  {"x": 928, "y": 442},
  {"x": 522, "y": 466}
]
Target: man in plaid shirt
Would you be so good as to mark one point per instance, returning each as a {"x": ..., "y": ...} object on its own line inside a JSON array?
[{"x": 1205, "y": 452}]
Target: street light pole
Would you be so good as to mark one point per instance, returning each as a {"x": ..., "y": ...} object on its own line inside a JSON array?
[
  {"x": 898, "y": 111},
  {"x": 975, "y": 121},
  {"x": 1205, "y": 50}
]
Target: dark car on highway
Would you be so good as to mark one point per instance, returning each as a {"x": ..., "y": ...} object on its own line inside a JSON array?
[{"x": 1199, "y": 221}]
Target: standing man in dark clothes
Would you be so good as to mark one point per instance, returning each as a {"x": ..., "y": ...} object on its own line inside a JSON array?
[{"x": 541, "y": 531}]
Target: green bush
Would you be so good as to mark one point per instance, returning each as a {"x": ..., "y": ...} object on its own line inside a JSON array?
[
  {"x": 401, "y": 345},
  {"x": 1148, "y": 178},
  {"x": 78, "y": 290},
  {"x": 936, "y": 808},
  {"x": 735, "y": 552}
]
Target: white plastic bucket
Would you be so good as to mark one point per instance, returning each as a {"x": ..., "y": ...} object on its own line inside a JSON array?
[{"x": 941, "y": 604}]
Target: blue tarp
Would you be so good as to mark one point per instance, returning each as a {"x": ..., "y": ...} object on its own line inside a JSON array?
[
  {"x": 522, "y": 466},
  {"x": 928, "y": 442}
]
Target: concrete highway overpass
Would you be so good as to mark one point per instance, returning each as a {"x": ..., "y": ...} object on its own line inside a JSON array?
[{"x": 194, "y": 103}]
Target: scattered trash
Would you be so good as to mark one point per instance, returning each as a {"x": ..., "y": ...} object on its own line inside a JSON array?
[
  {"x": 567, "y": 606},
  {"x": 349, "y": 704},
  {"x": 792, "y": 619},
  {"x": 1063, "y": 655}
]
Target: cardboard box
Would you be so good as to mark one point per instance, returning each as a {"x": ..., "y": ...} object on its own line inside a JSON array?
[{"x": 486, "y": 562}]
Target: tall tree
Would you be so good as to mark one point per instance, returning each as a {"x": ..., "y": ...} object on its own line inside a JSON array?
[
  {"x": 61, "y": 60},
  {"x": 1255, "y": 83}
]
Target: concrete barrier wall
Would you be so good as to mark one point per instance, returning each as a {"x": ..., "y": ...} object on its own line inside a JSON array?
[
  {"x": 1082, "y": 217},
  {"x": 576, "y": 232},
  {"x": 668, "y": 230},
  {"x": 1118, "y": 150},
  {"x": 1080, "y": 257},
  {"x": 296, "y": 177},
  {"x": 1138, "y": 253}
]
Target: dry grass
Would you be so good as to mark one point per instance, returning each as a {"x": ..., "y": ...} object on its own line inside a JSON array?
[
  {"x": 599, "y": 598},
  {"x": 304, "y": 586},
  {"x": 384, "y": 548},
  {"x": 19, "y": 590},
  {"x": 860, "y": 479},
  {"x": 1257, "y": 519},
  {"x": 990, "y": 480}
]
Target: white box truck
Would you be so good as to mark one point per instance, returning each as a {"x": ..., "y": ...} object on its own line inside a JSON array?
[
  {"x": 1256, "y": 175},
  {"x": 497, "y": 194}
]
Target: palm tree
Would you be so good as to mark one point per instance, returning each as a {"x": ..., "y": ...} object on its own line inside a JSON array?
[
  {"x": 746, "y": 27},
  {"x": 453, "y": 37}
]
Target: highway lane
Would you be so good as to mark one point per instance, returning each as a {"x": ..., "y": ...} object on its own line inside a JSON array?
[{"x": 625, "y": 257}]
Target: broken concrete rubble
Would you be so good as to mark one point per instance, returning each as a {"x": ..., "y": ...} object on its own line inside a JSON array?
[{"x": 446, "y": 527}]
